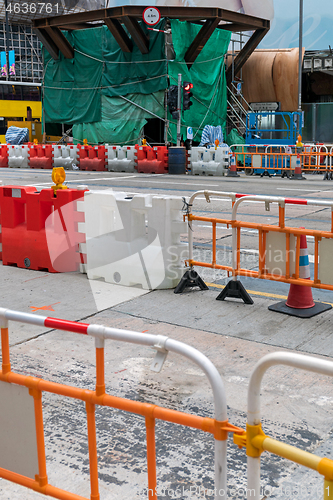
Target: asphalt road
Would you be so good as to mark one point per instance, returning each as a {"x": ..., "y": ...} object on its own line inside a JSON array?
[{"x": 179, "y": 185}]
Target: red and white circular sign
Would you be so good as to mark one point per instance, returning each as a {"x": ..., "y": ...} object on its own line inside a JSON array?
[{"x": 151, "y": 16}]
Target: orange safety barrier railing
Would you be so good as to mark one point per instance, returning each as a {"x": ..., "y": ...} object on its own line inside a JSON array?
[
  {"x": 219, "y": 426},
  {"x": 313, "y": 158},
  {"x": 322, "y": 255}
]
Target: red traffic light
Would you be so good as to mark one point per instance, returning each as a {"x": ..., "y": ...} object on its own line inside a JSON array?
[{"x": 188, "y": 86}]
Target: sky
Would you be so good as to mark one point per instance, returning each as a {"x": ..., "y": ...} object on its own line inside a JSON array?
[{"x": 317, "y": 25}]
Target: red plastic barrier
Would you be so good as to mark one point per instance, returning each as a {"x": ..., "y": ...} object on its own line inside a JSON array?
[
  {"x": 92, "y": 158},
  {"x": 152, "y": 160},
  {"x": 3, "y": 155},
  {"x": 39, "y": 230},
  {"x": 40, "y": 156}
]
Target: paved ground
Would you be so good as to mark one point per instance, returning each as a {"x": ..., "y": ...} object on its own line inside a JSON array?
[{"x": 296, "y": 406}]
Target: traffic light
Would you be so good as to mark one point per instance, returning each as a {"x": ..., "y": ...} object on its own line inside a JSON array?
[
  {"x": 173, "y": 101},
  {"x": 187, "y": 94}
]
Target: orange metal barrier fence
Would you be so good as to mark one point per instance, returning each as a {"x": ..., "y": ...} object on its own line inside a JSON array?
[
  {"x": 313, "y": 158},
  {"x": 218, "y": 427},
  {"x": 287, "y": 242}
]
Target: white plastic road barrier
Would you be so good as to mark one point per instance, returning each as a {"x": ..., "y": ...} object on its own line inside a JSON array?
[
  {"x": 64, "y": 155},
  {"x": 300, "y": 361},
  {"x": 133, "y": 240},
  {"x": 210, "y": 161},
  {"x": 18, "y": 156},
  {"x": 120, "y": 158}
]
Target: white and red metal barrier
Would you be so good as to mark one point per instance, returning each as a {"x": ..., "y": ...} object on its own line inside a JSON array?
[
  {"x": 36, "y": 478},
  {"x": 25, "y": 462}
]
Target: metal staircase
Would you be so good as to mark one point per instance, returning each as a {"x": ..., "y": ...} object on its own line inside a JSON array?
[{"x": 237, "y": 109}]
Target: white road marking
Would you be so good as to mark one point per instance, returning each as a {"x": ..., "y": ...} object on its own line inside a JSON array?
[{"x": 293, "y": 189}]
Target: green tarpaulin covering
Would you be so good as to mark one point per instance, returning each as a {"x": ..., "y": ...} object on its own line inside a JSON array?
[
  {"x": 207, "y": 75},
  {"x": 73, "y": 87},
  {"x": 89, "y": 90},
  {"x": 121, "y": 120}
]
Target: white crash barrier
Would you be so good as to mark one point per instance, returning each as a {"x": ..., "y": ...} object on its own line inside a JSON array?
[
  {"x": 64, "y": 155},
  {"x": 133, "y": 240},
  {"x": 210, "y": 161},
  {"x": 120, "y": 158},
  {"x": 18, "y": 156}
]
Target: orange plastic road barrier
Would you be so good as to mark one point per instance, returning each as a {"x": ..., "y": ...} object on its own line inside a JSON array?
[
  {"x": 31, "y": 238},
  {"x": 92, "y": 157},
  {"x": 217, "y": 427},
  {"x": 3, "y": 155}
]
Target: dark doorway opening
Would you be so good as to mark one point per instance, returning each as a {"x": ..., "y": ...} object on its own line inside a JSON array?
[{"x": 153, "y": 131}]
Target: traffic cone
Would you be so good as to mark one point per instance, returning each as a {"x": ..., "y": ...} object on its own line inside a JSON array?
[
  {"x": 232, "y": 172},
  {"x": 300, "y": 302},
  {"x": 298, "y": 171}
]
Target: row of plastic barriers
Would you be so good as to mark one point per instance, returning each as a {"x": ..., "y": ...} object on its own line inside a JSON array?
[
  {"x": 25, "y": 461},
  {"x": 130, "y": 240},
  {"x": 143, "y": 159},
  {"x": 85, "y": 157}
]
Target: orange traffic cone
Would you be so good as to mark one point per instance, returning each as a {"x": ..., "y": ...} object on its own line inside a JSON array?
[
  {"x": 300, "y": 301},
  {"x": 298, "y": 170},
  {"x": 232, "y": 172}
]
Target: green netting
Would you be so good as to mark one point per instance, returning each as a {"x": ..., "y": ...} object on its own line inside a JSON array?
[
  {"x": 126, "y": 73},
  {"x": 73, "y": 88},
  {"x": 207, "y": 75},
  {"x": 121, "y": 120}
]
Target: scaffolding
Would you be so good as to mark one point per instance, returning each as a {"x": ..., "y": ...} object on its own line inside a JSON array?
[
  {"x": 23, "y": 40},
  {"x": 28, "y": 54}
]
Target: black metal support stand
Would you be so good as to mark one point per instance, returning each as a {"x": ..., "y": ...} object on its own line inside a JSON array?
[
  {"x": 236, "y": 290},
  {"x": 327, "y": 176},
  {"x": 190, "y": 279}
]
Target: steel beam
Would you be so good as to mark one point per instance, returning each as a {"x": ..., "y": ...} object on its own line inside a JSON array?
[
  {"x": 48, "y": 43},
  {"x": 81, "y": 26},
  {"x": 61, "y": 41},
  {"x": 137, "y": 34},
  {"x": 235, "y": 27},
  {"x": 120, "y": 35},
  {"x": 245, "y": 53},
  {"x": 236, "y": 17},
  {"x": 136, "y": 11},
  {"x": 200, "y": 40}
]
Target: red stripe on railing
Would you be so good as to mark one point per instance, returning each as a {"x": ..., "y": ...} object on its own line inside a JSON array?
[
  {"x": 63, "y": 324},
  {"x": 239, "y": 195},
  {"x": 295, "y": 201}
]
